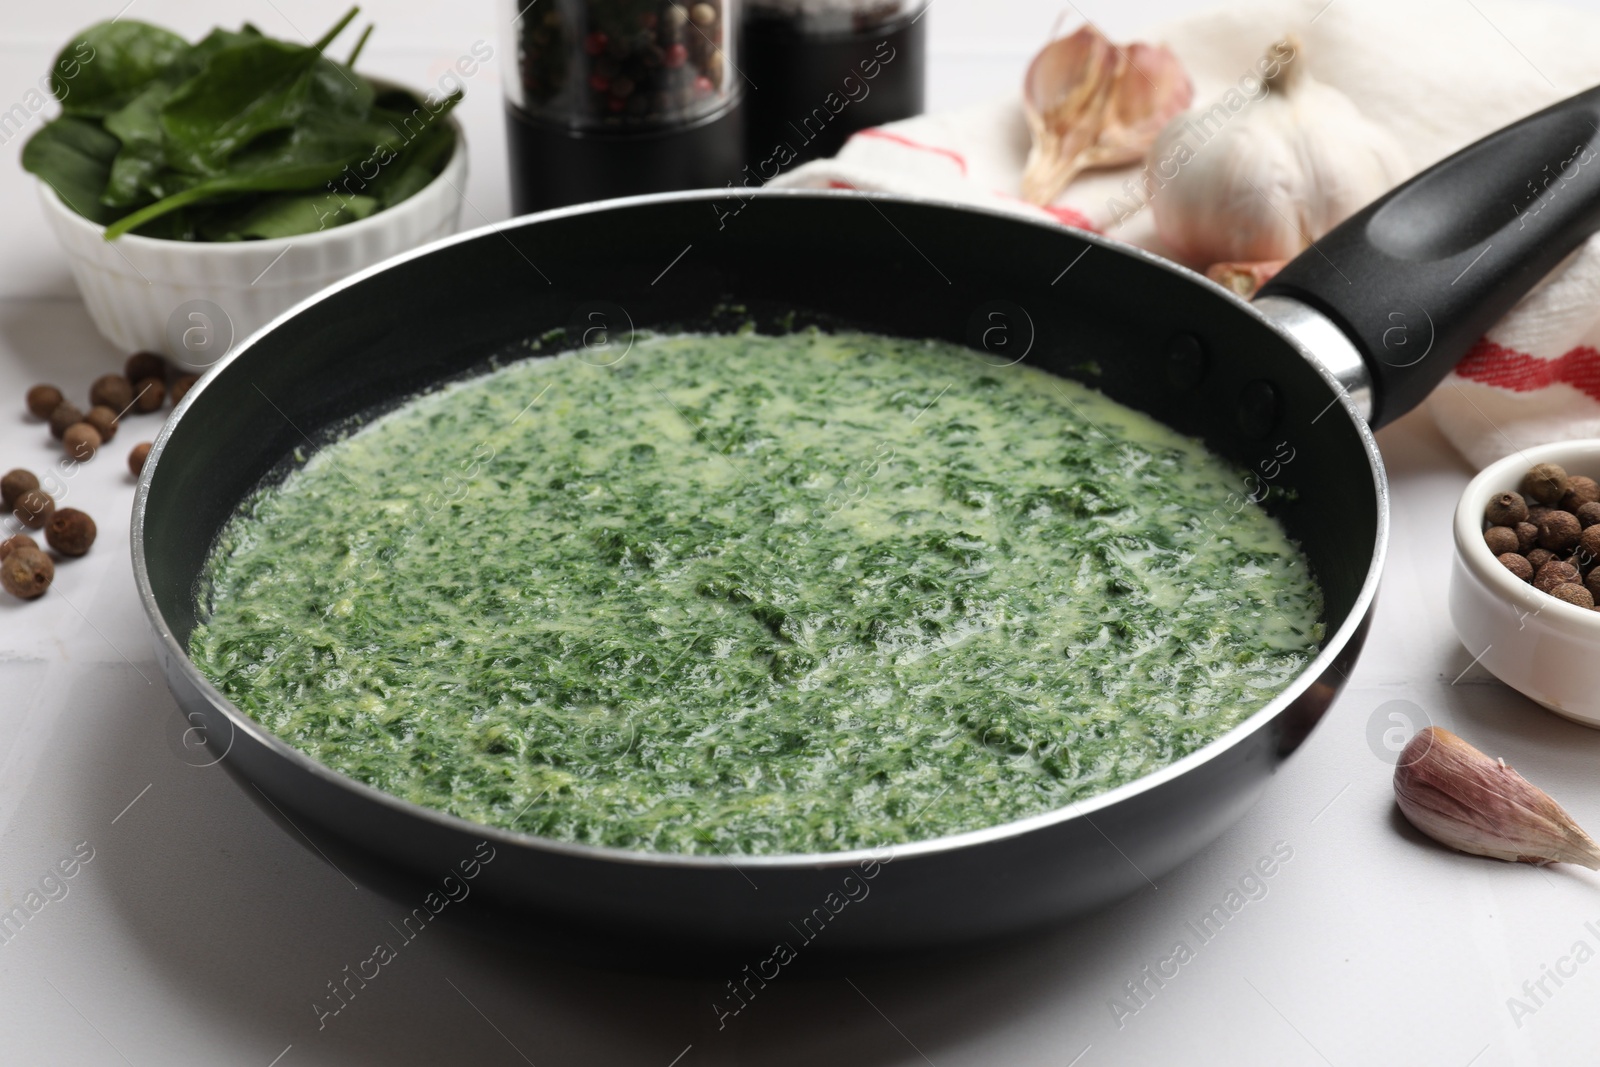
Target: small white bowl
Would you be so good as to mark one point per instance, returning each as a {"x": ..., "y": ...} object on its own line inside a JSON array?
[
  {"x": 194, "y": 300},
  {"x": 1544, "y": 648}
]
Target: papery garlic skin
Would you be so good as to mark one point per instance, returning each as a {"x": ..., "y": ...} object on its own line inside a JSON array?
[
  {"x": 1460, "y": 797},
  {"x": 1259, "y": 177},
  {"x": 1090, "y": 103}
]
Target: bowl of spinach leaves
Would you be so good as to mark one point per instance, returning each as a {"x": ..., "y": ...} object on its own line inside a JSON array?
[{"x": 238, "y": 175}]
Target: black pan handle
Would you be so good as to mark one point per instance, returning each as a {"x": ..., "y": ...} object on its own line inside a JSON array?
[{"x": 1416, "y": 277}]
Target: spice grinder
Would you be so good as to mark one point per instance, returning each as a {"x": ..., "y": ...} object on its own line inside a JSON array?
[
  {"x": 616, "y": 97},
  {"x": 822, "y": 70}
]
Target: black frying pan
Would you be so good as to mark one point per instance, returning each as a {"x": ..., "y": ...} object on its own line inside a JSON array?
[{"x": 1353, "y": 333}]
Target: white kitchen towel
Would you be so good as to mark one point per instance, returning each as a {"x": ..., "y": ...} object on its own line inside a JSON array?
[{"x": 1438, "y": 73}]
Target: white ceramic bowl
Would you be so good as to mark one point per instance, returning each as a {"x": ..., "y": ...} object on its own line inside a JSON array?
[
  {"x": 194, "y": 300},
  {"x": 1542, "y": 647}
]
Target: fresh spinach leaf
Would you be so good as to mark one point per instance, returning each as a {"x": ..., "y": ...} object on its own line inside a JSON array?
[
  {"x": 136, "y": 175},
  {"x": 243, "y": 92},
  {"x": 73, "y": 156},
  {"x": 289, "y": 214},
  {"x": 108, "y": 64}
]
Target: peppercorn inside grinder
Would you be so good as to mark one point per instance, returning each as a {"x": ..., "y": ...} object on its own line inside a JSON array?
[
  {"x": 620, "y": 97},
  {"x": 824, "y": 70},
  {"x": 1522, "y": 631}
]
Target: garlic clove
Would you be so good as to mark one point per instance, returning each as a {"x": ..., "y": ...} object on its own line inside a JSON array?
[
  {"x": 1092, "y": 104},
  {"x": 1064, "y": 97},
  {"x": 1151, "y": 89},
  {"x": 1460, "y": 797}
]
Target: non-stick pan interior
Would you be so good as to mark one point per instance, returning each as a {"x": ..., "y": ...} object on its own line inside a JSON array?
[{"x": 1151, "y": 337}]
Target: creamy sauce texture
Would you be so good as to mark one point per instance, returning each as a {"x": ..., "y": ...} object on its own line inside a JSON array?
[{"x": 754, "y": 594}]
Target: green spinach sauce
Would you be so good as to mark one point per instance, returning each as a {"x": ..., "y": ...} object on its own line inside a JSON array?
[{"x": 753, "y": 594}]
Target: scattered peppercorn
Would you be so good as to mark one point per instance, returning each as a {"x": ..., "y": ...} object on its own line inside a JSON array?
[
  {"x": 65, "y": 414},
  {"x": 136, "y": 458},
  {"x": 142, "y": 365},
  {"x": 42, "y": 400},
  {"x": 15, "y": 483},
  {"x": 104, "y": 421},
  {"x": 70, "y": 532},
  {"x": 1507, "y": 509},
  {"x": 1545, "y": 482},
  {"x": 1555, "y": 573},
  {"x": 1538, "y": 557},
  {"x": 1558, "y": 531},
  {"x": 1500, "y": 539},
  {"x": 149, "y": 395},
  {"x": 27, "y": 573},
  {"x": 11, "y": 544},
  {"x": 1527, "y": 536},
  {"x": 1573, "y": 594},
  {"x": 1518, "y": 565},
  {"x": 83, "y": 440},
  {"x": 112, "y": 390},
  {"x": 34, "y": 508},
  {"x": 181, "y": 385}
]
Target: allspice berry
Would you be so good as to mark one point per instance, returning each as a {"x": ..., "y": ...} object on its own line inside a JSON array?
[
  {"x": 1589, "y": 542},
  {"x": 70, "y": 532},
  {"x": 15, "y": 483},
  {"x": 1507, "y": 509},
  {"x": 104, "y": 421},
  {"x": 1537, "y": 512},
  {"x": 1518, "y": 565},
  {"x": 136, "y": 458},
  {"x": 148, "y": 395},
  {"x": 11, "y": 544},
  {"x": 142, "y": 365},
  {"x": 1581, "y": 490},
  {"x": 83, "y": 441},
  {"x": 1588, "y": 515},
  {"x": 43, "y": 399},
  {"x": 34, "y": 508},
  {"x": 65, "y": 414},
  {"x": 1558, "y": 531},
  {"x": 181, "y": 385},
  {"x": 113, "y": 391},
  {"x": 1538, "y": 557},
  {"x": 1545, "y": 482},
  {"x": 27, "y": 573},
  {"x": 1527, "y": 536},
  {"x": 1592, "y": 583},
  {"x": 1501, "y": 539},
  {"x": 1573, "y": 594},
  {"x": 1553, "y": 574}
]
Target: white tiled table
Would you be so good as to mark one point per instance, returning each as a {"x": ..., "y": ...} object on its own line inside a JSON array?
[{"x": 200, "y": 934}]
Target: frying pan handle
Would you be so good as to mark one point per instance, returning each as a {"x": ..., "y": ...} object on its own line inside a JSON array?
[{"x": 1416, "y": 277}]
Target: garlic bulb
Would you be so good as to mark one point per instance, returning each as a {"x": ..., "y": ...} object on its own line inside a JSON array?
[{"x": 1270, "y": 167}]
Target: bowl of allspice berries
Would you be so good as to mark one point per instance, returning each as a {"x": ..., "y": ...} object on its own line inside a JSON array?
[
  {"x": 34, "y": 500},
  {"x": 1525, "y": 586}
]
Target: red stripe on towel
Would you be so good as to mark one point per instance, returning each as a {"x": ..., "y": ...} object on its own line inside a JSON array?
[
  {"x": 1506, "y": 368},
  {"x": 885, "y": 135}
]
